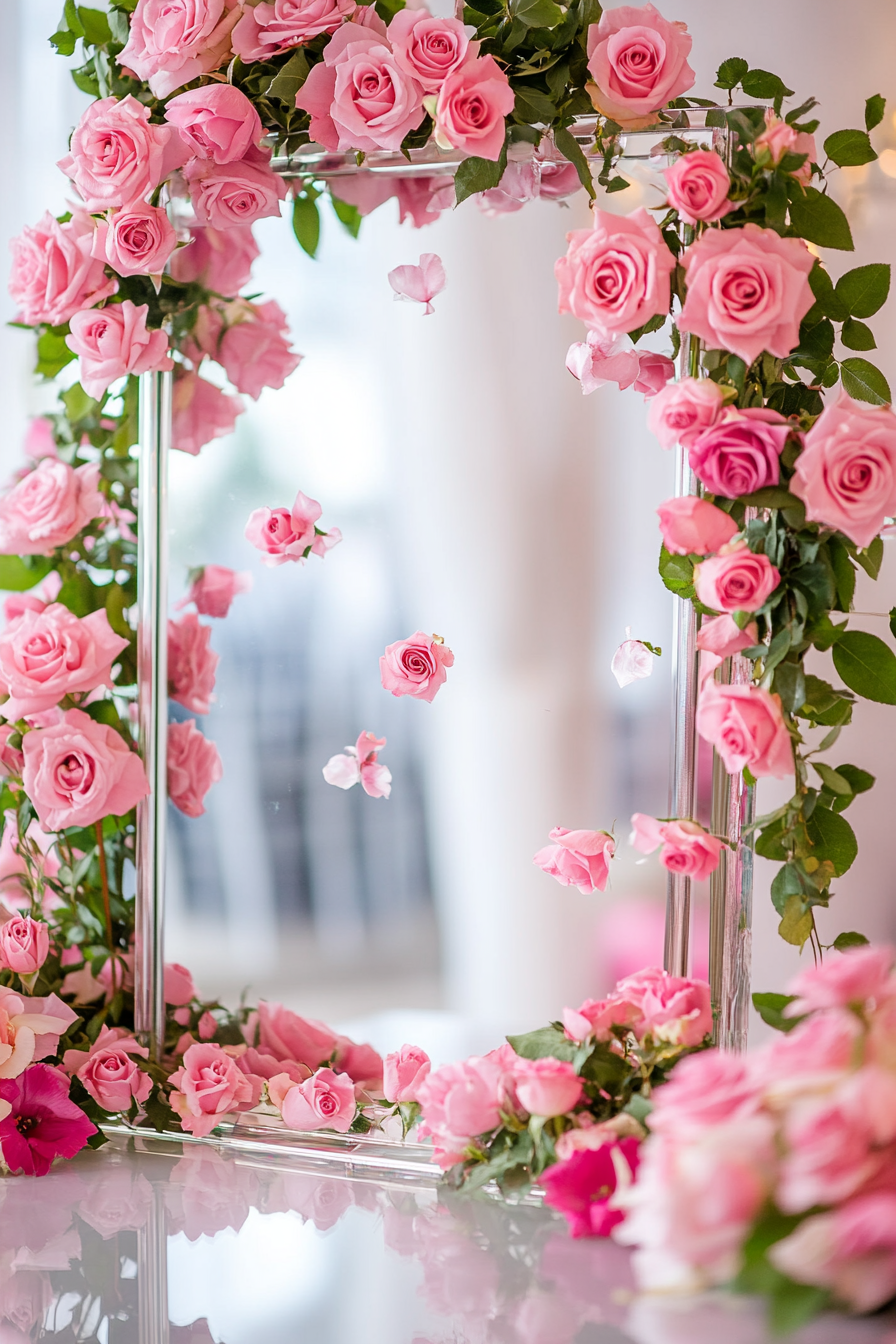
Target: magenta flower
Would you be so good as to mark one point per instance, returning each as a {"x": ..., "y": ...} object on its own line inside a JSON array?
[
  {"x": 43, "y": 1122},
  {"x": 581, "y": 1187}
]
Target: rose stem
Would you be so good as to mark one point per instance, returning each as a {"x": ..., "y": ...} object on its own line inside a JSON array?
[{"x": 104, "y": 878}]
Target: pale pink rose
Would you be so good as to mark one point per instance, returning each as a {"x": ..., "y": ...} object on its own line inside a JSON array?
[
  {"x": 827, "y": 1042},
  {"x": 217, "y": 122},
  {"x": 741, "y": 452},
  {"x": 736, "y": 579},
  {"x": 846, "y": 473},
  {"x": 601, "y": 359},
  {"x": 114, "y": 341},
  {"x": 119, "y": 157},
  {"x": 24, "y": 944},
  {"x": 202, "y": 412},
  {"x": 615, "y": 276},
  {"x": 359, "y": 765},
  {"x": 598, "y": 1017},
  {"x": 108, "y": 1071},
  {"x": 254, "y": 348},
  {"x": 47, "y": 655},
  {"x": 423, "y": 199},
  {"x": 207, "y": 1086},
  {"x": 632, "y": 661},
  {"x": 672, "y": 1008},
  {"x": 213, "y": 588},
  {"x": 30, "y": 1029},
  {"x": 518, "y": 186},
  {"x": 419, "y": 284},
  {"x": 268, "y": 30},
  {"x": 721, "y": 636},
  {"x": 231, "y": 195},
  {"x": 193, "y": 767},
  {"x": 178, "y": 986},
  {"x": 639, "y": 61},
  {"x": 191, "y": 664},
  {"x": 26, "y": 1296},
  {"x": 747, "y": 290},
  {"x": 80, "y": 771},
  {"x": 416, "y": 666},
  {"x": 427, "y": 48},
  {"x": 359, "y": 97},
  {"x": 404, "y": 1072},
  {"x": 40, "y": 439},
  {"x": 860, "y": 976},
  {"x": 558, "y": 180},
  {"x": 746, "y": 726},
  {"x": 137, "y": 240},
  {"x": 287, "y": 1036},
  {"x": 290, "y": 534},
  {"x": 54, "y": 273},
  {"x": 265, "y": 1066},
  {"x": 654, "y": 372},
  {"x": 681, "y": 410},
  {"x": 693, "y": 526},
  {"x": 779, "y": 139},
  {"x": 547, "y": 1086},
  {"x": 686, "y": 847},
  {"x": 578, "y": 858},
  {"x": 278, "y": 1085},
  {"x": 326, "y": 1100},
  {"x": 173, "y": 42},
  {"x": 459, "y": 1102},
  {"x": 219, "y": 258},
  {"x": 851, "y": 1251},
  {"x": 11, "y": 758},
  {"x": 472, "y": 105},
  {"x": 697, "y": 186},
  {"x": 703, "y": 1091},
  {"x": 362, "y": 1063}
]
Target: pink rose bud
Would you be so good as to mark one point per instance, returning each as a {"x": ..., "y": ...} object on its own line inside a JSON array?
[
  {"x": 779, "y": 139},
  {"x": 108, "y": 1071},
  {"x": 686, "y": 847},
  {"x": 48, "y": 654},
  {"x": 271, "y": 29},
  {"x": 693, "y": 526},
  {"x": 202, "y": 412},
  {"x": 24, "y": 945},
  {"x": 578, "y": 858},
  {"x": 137, "y": 240},
  {"x": 193, "y": 767},
  {"x": 472, "y": 104},
  {"x": 208, "y": 1025},
  {"x": 615, "y": 276},
  {"x": 746, "y": 726},
  {"x": 404, "y": 1072},
  {"x": 209, "y": 1085},
  {"x": 191, "y": 664},
  {"x": 358, "y": 765},
  {"x": 326, "y": 1100},
  {"x": 284, "y": 535},
  {"x": 79, "y": 771},
  {"x": 654, "y": 372},
  {"x": 172, "y": 45},
  {"x": 697, "y": 186},
  {"x": 741, "y": 452},
  {"x": 600, "y": 359},
  {"x": 213, "y": 588},
  {"x": 639, "y": 61},
  {"x": 681, "y": 410},
  {"x": 419, "y": 284},
  {"x": 114, "y": 341},
  {"x": 416, "y": 666},
  {"x": 49, "y": 507},
  {"x": 547, "y": 1086},
  {"x": 278, "y": 1086},
  {"x": 736, "y": 579},
  {"x": 722, "y": 637},
  {"x": 217, "y": 121},
  {"x": 179, "y": 987},
  {"x": 54, "y": 272},
  {"x": 632, "y": 661}
]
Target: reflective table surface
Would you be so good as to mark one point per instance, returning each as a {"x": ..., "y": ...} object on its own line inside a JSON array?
[{"x": 189, "y": 1247}]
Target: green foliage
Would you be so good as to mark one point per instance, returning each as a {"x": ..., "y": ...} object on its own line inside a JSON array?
[
  {"x": 474, "y": 175},
  {"x": 864, "y": 289},
  {"x": 306, "y": 222},
  {"x": 833, "y": 839},
  {"x": 731, "y": 72},
  {"x": 865, "y": 382},
  {"x": 545, "y": 1042},
  {"x": 19, "y": 573},
  {"x": 819, "y": 219},
  {"x": 349, "y": 216},
  {"x": 874, "y": 111},
  {"x": 848, "y": 149},
  {"x": 289, "y": 78},
  {"x": 867, "y": 666},
  {"x": 770, "y": 1008}
]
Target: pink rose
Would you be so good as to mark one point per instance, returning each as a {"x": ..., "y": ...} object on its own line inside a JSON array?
[
  {"x": 47, "y": 655},
  {"x": 601, "y": 359},
  {"x": 416, "y": 666},
  {"x": 213, "y": 589},
  {"x": 268, "y": 30},
  {"x": 473, "y": 102},
  {"x": 741, "y": 453},
  {"x": 578, "y": 858},
  {"x": 178, "y": 986},
  {"x": 632, "y": 661},
  {"x": 846, "y": 474},
  {"x": 680, "y": 411},
  {"x": 856, "y": 977},
  {"x": 202, "y": 412},
  {"x": 114, "y": 341},
  {"x": 193, "y": 767},
  {"x": 287, "y": 1036},
  {"x": 54, "y": 272},
  {"x": 721, "y": 636},
  {"x": 359, "y": 97},
  {"x": 748, "y": 290},
  {"x": 173, "y": 42},
  {"x": 80, "y": 771},
  {"x": 686, "y": 847},
  {"x": 736, "y": 579},
  {"x": 639, "y": 62},
  {"x": 746, "y": 726},
  {"x": 582, "y": 1185},
  {"x": 232, "y": 195},
  {"x": 598, "y": 1017},
  {"x": 137, "y": 240},
  {"x": 423, "y": 199},
  {"x": 191, "y": 664},
  {"x": 779, "y": 139},
  {"x": 119, "y": 157},
  {"x": 362, "y": 1063},
  {"x": 119, "y": 1200},
  {"x": 219, "y": 258},
  {"x": 615, "y": 276},
  {"x": 24, "y": 945},
  {"x": 461, "y": 1101},
  {"x": 30, "y": 1029},
  {"x": 290, "y": 534},
  {"x": 672, "y": 1008},
  {"x": 556, "y": 180},
  {"x": 827, "y": 1042},
  {"x": 207, "y": 1086},
  {"x": 217, "y": 122},
  {"x": 429, "y": 49},
  {"x": 547, "y": 1086},
  {"x": 850, "y": 1251},
  {"x": 693, "y": 526},
  {"x": 108, "y": 1071},
  {"x": 404, "y": 1072},
  {"x": 326, "y": 1100},
  {"x": 704, "y": 1091},
  {"x": 654, "y": 372},
  {"x": 254, "y": 349},
  {"x": 697, "y": 187}
]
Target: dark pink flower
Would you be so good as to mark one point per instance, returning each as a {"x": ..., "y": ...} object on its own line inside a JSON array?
[
  {"x": 581, "y": 1187},
  {"x": 43, "y": 1123}
]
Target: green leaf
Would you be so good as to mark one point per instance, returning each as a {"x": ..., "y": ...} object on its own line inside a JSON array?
[
  {"x": 17, "y": 575},
  {"x": 532, "y": 106},
  {"x": 349, "y": 216},
  {"x": 833, "y": 839},
  {"x": 819, "y": 219},
  {"x": 867, "y": 666},
  {"x": 617, "y": 184},
  {"x": 785, "y": 883},
  {"x": 860, "y": 781},
  {"x": 826, "y": 296},
  {"x": 857, "y": 336},
  {"x": 793, "y": 1304},
  {"x": 72, "y": 18},
  {"x": 64, "y": 42},
  {"x": 677, "y": 573},
  {"x": 864, "y": 289},
  {"x": 851, "y": 939},
  {"x": 570, "y": 148},
  {"x": 844, "y": 573},
  {"x": 536, "y": 13},
  {"x": 874, "y": 111},
  {"x": 80, "y": 595},
  {"x": 848, "y": 149},
  {"x": 545, "y": 1042},
  {"x": 52, "y": 352},
  {"x": 78, "y": 403},
  {"x": 797, "y": 923},
  {"x": 289, "y": 79},
  {"x": 731, "y": 72},
  {"x": 306, "y": 224},
  {"x": 872, "y": 557},
  {"x": 474, "y": 175},
  {"x": 96, "y": 26},
  {"x": 865, "y": 382},
  {"x": 763, "y": 84},
  {"x": 770, "y": 1008},
  {"x": 833, "y": 780}
]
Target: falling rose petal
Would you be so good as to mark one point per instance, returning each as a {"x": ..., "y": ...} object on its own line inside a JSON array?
[
  {"x": 632, "y": 661},
  {"x": 419, "y": 284},
  {"x": 358, "y": 765},
  {"x": 343, "y": 770},
  {"x": 601, "y": 359}
]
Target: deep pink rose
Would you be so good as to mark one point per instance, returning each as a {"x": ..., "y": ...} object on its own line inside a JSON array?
[
  {"x": 746, "y": 726},
  {"x": 859, "y": 976},
  {"x": 232, "y": 195},
  {"x": 473, "y": 102},
  {"x": 202, "y": 412},
  {"x": 119, "y": 157},
  {"x": 639, "y": 62},
  {"x": 461, "y": 1101},
  {"x": 692, "y": 526},
  {"x": 580, "y": 1187},
  {"x": 41, "y": 1123},
  {"x": 108, "y": 1071},
  {"x": 209, "y": 1085},
  {"x": 24, "y": 944},
  {"x": 173, "y": 42},
  {"x": 114, "y": 341},
  {"x": 654, "y": 372},
  {"x": 681, "y": 410},
  {"x": 359, "y": 765},
  {"x": 779, "y": 139},
  {"x": 287, "y": 1036},
  {"x": 137, "y": 240},
  {"x": 267, "y": 30},
  {"x": 547, "y": 1086},
  {"x": 697, "y": 187},
  {"x": 290, "y": 534},
  {"x": 79, "y": 771},
  {"x": 846, "y": 474},
  {"x": 416, "y": 666},
  {"x": 615, "y": 276},
  {"x": 54, "y": 273},
  {"x": 672, "y": 1008},
  {"x": 326, "y": 1100},
  {"x": 193, "y": 767},
  {"x": 219, "y": 258},
  {"x": 429, "y": 49},
  {"x": 404, "y": 1072},
  {"x": 217, "y": 122},
  {"x": 706, "y": 1090},
  {"x": 748, "y": 290},
  {"x": 601, "y": 359},
  {"x": 721, "y": 636},
  {"x": 50, "y": 654},
  {"x": 736, "y": 579},
  {"x": 741, "y": 453},
  {"x": 254, "y": 348},
  {"x": 850, "y": 1251},
  {"x": 578, "y": 858},
  {"x": 358, "y": 95},
  {"x": 213, "y": 589},
  {"x": 686, "y": 848},
  {"x": 191, "y": 663}
]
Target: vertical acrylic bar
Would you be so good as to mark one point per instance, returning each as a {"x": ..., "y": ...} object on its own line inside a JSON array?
[
  {"x": 152, "y": 679},
  {"x": 152, "y": 1266}
]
